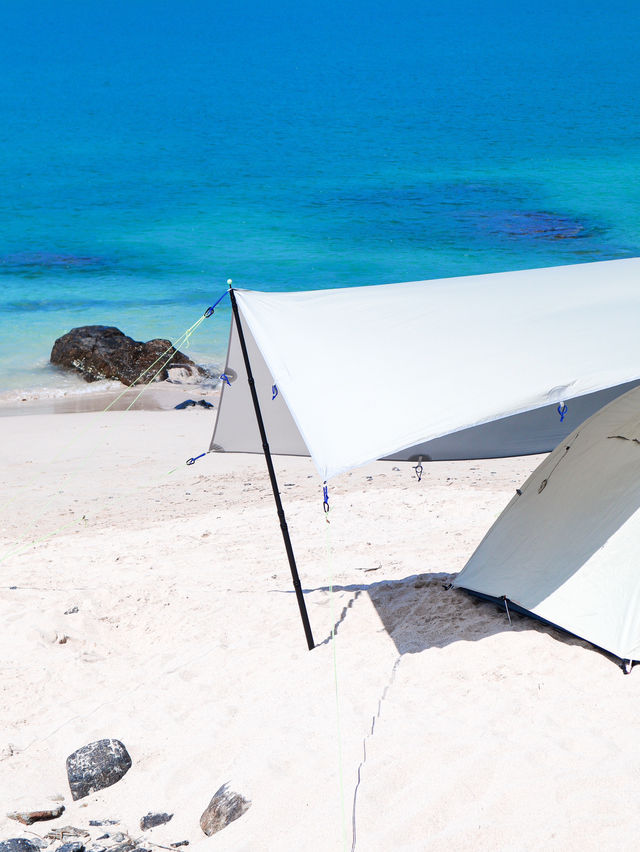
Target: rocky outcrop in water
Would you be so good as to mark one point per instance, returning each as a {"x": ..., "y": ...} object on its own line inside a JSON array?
[{"x": 105, "y": 352}]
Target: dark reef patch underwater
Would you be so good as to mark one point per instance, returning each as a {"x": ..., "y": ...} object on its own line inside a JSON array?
[{"x": 48, "y": 261}]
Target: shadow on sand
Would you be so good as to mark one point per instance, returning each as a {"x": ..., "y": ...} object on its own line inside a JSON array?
[{"x": 423, "y": 611}]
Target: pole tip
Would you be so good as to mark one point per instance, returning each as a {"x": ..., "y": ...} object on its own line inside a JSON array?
[{"x": 229, "y": 282}]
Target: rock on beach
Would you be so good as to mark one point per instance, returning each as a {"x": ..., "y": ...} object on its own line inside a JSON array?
[
  {"x": 95, "y": 766},
  {"x": 225, "y": 807},
  {"x": 104, "y": 352},
  {"x": 18, "y": 844},
  {"x": 29, "y": 817},
  {"x": 152, "y": 820}
]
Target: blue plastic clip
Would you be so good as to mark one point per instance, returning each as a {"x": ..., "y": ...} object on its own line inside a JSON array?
[
  {"x": 225, "y": 378},
  {"x": 195, "y": 459},
  {"x": 325, "y": 497},
  {"x": 210, "y": 310},
  {"x": 274, "y": 392},
  {"x": 562, "y": 410}
]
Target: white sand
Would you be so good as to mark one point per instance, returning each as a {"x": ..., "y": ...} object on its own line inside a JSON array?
[{"x": 450, "y": 731}]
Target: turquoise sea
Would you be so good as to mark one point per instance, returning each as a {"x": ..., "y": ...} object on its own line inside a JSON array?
[{"x": 151, "y": 150}]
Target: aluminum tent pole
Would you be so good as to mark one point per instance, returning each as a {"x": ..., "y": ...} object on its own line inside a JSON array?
[{"x": 272, "y": 476}]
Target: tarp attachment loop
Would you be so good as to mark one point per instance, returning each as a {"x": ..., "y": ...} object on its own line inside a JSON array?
[
  {"x": 274, "y": 392},
  {"x": 562, "y": 410},
  {"x": 211, "y": 309},
  {"x": 225, "y": 378},
  {"x": 419, "y": 469},
  {"x": 194, "y": 459},
  {"x": 325, "y": 497}
]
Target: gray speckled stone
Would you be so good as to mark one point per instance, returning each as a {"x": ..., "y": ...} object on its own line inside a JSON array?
[
  {"x": 96, "y": 766},
  {"x": 18, "y": 844},
  {"x": 152, "y": 820}
]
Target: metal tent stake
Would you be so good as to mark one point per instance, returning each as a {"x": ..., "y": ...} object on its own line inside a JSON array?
[{"x": 272, "y": 476}]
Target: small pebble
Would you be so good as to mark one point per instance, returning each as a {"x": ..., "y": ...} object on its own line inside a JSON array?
[{"x": 152, "y": 820}]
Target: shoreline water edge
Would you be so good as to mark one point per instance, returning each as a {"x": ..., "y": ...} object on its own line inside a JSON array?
[{"x": 108, "y": 396}]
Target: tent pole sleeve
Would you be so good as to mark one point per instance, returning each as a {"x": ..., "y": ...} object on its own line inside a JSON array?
[{"x": 272, "y": 476}]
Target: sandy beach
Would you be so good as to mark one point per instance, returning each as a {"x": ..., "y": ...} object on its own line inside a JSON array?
[
  {"x": 428, "y": 723},
  {"x": 428, "y": 218}
]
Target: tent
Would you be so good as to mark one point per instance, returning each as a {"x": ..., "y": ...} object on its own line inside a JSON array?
[
  {"x": 567, "y": 547},
  {"x": 502, "y": 364}
]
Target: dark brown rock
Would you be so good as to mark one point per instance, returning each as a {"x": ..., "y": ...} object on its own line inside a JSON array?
[
  {"x": 96, "y": 766},
  {"x": 225, "y": 807},
  {"x": 105, "y": 352},
  {"x": 29, "y": 817}
]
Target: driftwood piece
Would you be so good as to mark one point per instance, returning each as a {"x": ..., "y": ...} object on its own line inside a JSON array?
[{"x": 65, "y": 832}]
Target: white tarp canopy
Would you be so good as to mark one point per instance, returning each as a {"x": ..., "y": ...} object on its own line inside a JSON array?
[
  {"x": 368, "y": 372},
  {"x": 567, "y": 548}
]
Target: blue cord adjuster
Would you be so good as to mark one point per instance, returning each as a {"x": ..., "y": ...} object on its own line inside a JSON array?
[
  {"x": 195, "y": 458},
  {"x": 211, "y": 309}
]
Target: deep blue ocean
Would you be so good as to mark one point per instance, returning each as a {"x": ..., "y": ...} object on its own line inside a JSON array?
[{"x": 151, "y": 150}]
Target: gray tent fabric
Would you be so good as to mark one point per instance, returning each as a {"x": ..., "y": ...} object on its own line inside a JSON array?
[
  {"x": 533, "y": 431},
  {"x": 527, "y": 433},
  {"x": 235, "y": 429},
  {"x": 567, "y": 547},
  {"x": 370, "y": 372}
]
